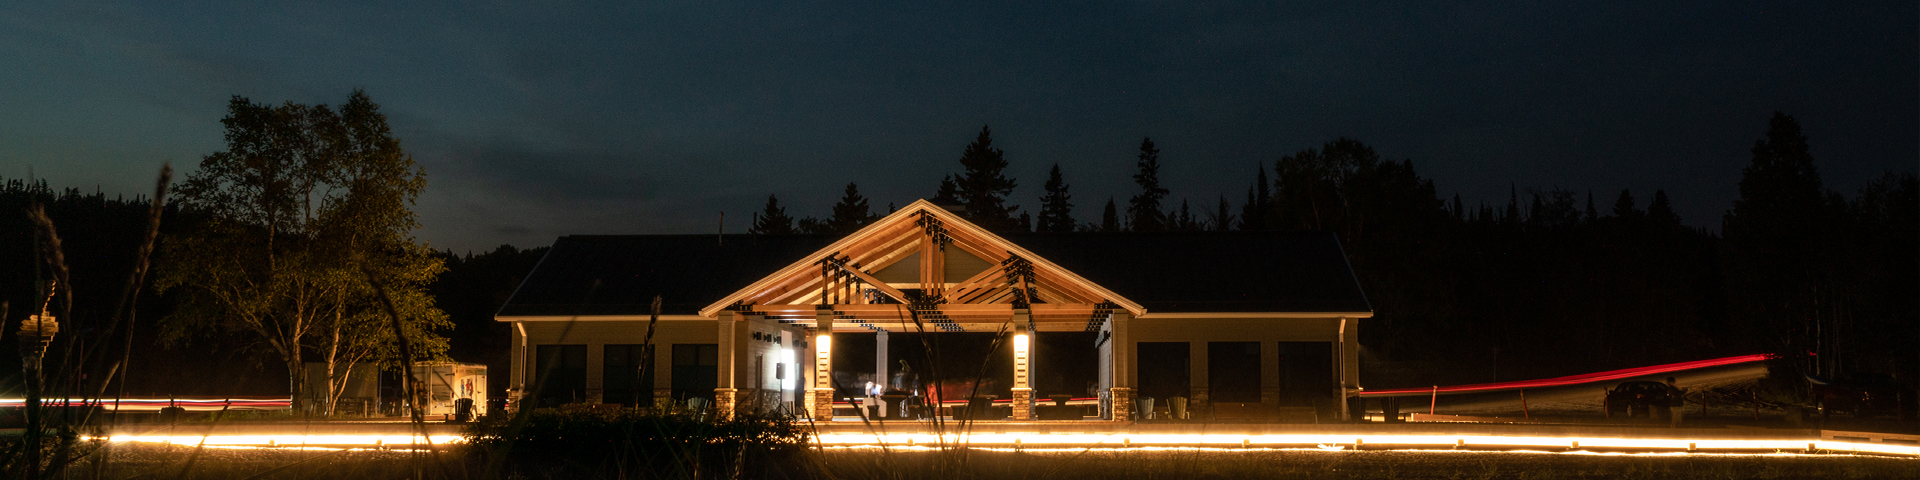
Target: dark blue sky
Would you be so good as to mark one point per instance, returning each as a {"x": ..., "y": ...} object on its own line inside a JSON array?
[{"x": 541, "y": 120}]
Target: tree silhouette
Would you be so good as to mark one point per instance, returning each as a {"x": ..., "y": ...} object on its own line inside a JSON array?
[
  {"x": 1623, "y": 207},
  {"x": 1660, "y": 211},
  {"x": 982, "y": 185},
  {"x": 1110, "y": 218},
  {"x": 1056, "y": 206},
  {"x": 772, "y": 219},
  {"x": 1222, "y": 219},
  {"x": 1253, "y": 215},
  {"x": 851, "y": 213},
  {"x": 1144, "y": 212}
]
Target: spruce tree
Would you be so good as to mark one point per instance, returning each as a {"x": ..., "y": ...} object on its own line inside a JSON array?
[
  {"x": 1660, "y": 210},
  {"x": 1253, "y": 215},
  {"x": 1143, "y": 210},
  {"x": 949, "y": 193},
  {"x": 1056, "y": 206},
  {"x": 1592, "y": 214},
  {"x": 772, "y": 220},
  {"x": 983, "y": 186},
  {"x": 1223, "y": 218},
  {"x": 1623, "y": 207},
  {"x": 851, "y": 213},
  {"x": 1110, "y": 219}
]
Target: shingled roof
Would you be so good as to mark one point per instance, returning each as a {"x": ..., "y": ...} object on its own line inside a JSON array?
[{"x": 1169, "y": 272}]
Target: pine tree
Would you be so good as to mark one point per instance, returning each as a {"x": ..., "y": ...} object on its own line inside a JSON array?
[
  {"x": 983, "y": 187},
  {"x": 1143, "y": 210},
  {"x": 1592, "y": 214},
  {"x": 851, "y": 213},
  {"x": 1660, "y": 211},
  {"x": 949, "y": 193},
  {"x": 1056, "y": 206},
  {"x": 1223, "y": 217},
  {"x": 1623, "y": 207},
  {"x": 772, "y": 220},
  {"x": 1110, "y": 219},
  {"x": 1512, "y": 215},
  {"x": 1253, "y": 215},
  {"x": 1185, "y": 221}
]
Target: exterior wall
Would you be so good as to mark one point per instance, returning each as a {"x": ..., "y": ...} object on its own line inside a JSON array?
[
  {"x": 596, "y": 334},
  {"x": 1198, "y": 332},
  {"x": 757, "y": 361}
]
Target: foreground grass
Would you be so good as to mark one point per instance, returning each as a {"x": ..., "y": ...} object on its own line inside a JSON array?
[{"x": 171, "y": 461}]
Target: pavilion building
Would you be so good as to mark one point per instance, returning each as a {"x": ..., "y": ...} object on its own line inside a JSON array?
[{"x": 1250, "y": 325}]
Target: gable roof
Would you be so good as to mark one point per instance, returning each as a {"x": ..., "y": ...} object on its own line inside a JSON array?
[
  {"x": 1172, "y": 272},
  {"x": 882, "y": 242}
]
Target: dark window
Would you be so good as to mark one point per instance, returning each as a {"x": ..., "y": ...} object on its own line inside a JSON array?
[
  {"x": 1164, "y": 371},
  {"x": 1306, "y": 373},
  {"x": 561, "y": 373},
  {"x": 696, "y": 370},
  {"x": 622, "y": 381},
  {"x": 1233, "y": 372}
]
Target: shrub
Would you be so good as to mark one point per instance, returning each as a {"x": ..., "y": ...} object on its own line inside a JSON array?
[{"x": 623, "y": 443}]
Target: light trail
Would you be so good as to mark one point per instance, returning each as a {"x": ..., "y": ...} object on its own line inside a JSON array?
[
  {"x": 291, "y": 440},
  {"x": 201, "y": 404},
  {"x": 1369, "y": 442},
  {"x": 1569, "y": 380}
]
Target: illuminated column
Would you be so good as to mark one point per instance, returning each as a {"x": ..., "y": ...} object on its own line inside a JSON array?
[
  {"x": 880, "y": 370},
  {"x": 1022, "y": 367},
  {"x": 518, "y": 385},
  {"x": 726, "y": 394},
  {"x": 820, "y": 397},
  {"x": 1349, "y": 365},
  {"x": 1122, "y": 369}
]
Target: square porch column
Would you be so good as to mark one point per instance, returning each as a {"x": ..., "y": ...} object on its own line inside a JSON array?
[
  {"x": 726, "y": 394},
  {"x": 1123, "y": 366},
  {"x": 820, "y": 396},
  {"x": 1349, "y": 365},
  {"x": 1022, "y": 366}
]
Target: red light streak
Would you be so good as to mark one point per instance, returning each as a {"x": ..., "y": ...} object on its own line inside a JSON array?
[{"x": 1571, "y": 380}]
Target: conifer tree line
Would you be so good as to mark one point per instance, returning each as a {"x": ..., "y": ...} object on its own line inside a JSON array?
[{"x": 1822, "y": 277}]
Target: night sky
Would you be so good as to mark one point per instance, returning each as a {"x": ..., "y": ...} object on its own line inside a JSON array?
[{"x": 536, "y": 120}]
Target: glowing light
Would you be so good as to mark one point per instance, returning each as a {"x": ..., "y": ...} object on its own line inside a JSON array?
[
  {"x": 1574, "y": 379},
  {"x": 155, "y": 404},
  {"x": 292, "y": 440},
  {"x": 1243, "y": 441},
  {"x": 1020, "y": 342},
  {"x": 824, "y": 341},
  {"x": 786, "y": 364}
]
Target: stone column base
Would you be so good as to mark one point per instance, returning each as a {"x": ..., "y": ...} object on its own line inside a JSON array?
[
  {"x": 1122, "y": 404},
  {"x": 1022, "y": 404},
  {"x": 820, "y": 403},
  {"x": 724, "y": 401}
]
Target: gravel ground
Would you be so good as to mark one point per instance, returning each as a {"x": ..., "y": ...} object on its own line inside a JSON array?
[{"x": 167, "y": 461}]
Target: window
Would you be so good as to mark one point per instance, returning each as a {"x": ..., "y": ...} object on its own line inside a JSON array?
[
  {"x": 1233, "y": 372},
  {"x": 1164, "y": 371},
  {"x": 622, "y": 381},
  {"x": 560, "y": 371},
  {"x": 696, "y": 370}
]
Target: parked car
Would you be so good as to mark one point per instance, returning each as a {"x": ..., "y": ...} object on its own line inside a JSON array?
[
  {"x": 1644, "y": 399},
  {"x": 1863, "y": 398}
]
